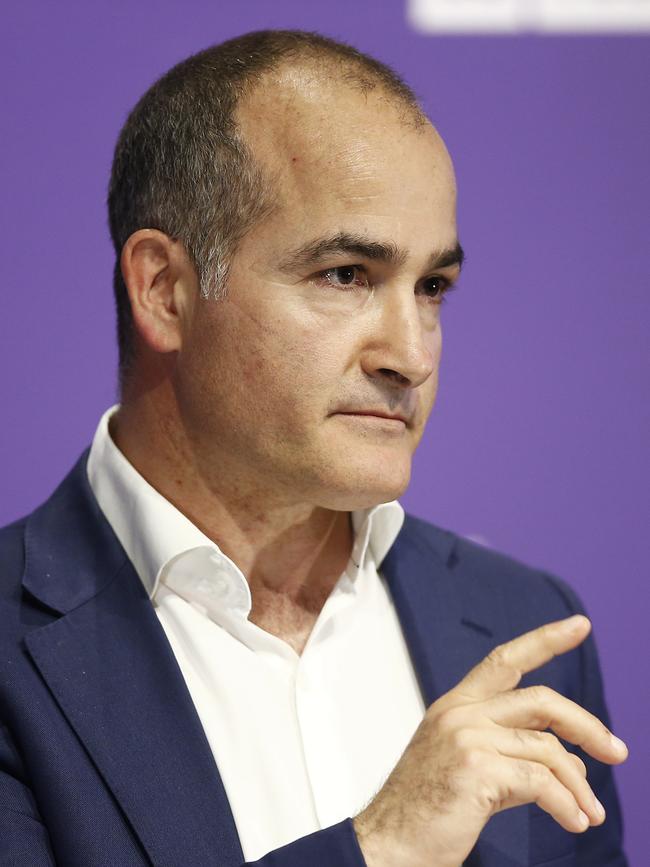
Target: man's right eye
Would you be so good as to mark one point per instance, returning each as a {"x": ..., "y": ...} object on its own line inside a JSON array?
[{"x": 346, "y": 275}]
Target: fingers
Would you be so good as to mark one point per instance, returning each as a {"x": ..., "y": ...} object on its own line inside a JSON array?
[
  {"x": 539, "y": 708},
  {"x": 504, "y": 667},
  {"x": 532, "y": 782},
  {"x": 545, "y": 749}
]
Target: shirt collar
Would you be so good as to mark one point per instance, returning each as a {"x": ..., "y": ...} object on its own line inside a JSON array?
[
  {"x": 151, "y": 530},
  {"x": 375, "y": 530},
  {"x": 164, "y": 545}
]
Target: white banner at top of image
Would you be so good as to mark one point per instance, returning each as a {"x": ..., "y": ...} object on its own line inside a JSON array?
[{"x": 512, "y": 16}]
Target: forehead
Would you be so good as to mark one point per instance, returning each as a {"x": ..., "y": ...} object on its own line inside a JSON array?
[{"x": 338, "y": 155}]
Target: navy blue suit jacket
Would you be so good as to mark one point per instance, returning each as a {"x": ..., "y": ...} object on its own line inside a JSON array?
[{"x": 103, "y": 760}]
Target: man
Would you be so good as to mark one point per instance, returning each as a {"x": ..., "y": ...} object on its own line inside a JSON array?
[{"x": 223, "y": 643}]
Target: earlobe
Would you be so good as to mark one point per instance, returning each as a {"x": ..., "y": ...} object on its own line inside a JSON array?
[{"x": 152, "y": 267}]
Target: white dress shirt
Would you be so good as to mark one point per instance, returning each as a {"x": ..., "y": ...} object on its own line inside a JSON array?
[{"x": 301, "y": 742}]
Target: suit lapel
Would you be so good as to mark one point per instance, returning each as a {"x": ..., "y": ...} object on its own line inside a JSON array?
[
  {"x": 111, "y": 669},
  {"x": 450, "y": 625}
]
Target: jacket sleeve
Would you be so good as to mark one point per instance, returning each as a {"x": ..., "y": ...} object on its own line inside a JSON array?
[
  {"x": 336, "y": 845},
  {"x": 24, "y": 840},
  {"x": 602, "y": 845}
]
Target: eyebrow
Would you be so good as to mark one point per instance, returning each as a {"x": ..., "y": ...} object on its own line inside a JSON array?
[{"x": 359, "y": 245}]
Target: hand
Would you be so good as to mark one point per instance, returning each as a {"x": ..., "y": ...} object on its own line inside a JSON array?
[{"x": 482, "y": 748}]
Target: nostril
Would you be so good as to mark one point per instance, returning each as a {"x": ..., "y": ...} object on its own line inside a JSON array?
[{"x": 394, "y": 375}]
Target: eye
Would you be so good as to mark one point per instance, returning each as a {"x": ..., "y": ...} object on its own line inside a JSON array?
[
  {"x": 345, "y": 275},
  {"x": 436, "y": 287}
]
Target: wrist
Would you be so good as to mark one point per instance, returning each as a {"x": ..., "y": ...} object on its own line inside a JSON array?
[
  {"x": 373, "y": 851},
  {"x": 382, "y": 849},
  {"x": 379, "y": 849}
]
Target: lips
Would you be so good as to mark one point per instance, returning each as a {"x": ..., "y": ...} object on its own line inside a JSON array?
[{"x": 377, "y": 413}]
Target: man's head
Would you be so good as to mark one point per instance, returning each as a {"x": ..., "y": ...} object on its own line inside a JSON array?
[
  {"x": 182, "y": 166},
  {"x": 304, "y": 231}
]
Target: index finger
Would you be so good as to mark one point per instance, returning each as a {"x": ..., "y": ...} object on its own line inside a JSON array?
[{"x": 504, "y": 667}]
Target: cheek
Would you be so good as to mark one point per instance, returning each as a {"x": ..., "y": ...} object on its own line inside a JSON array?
[{"x": 289, "y": 362}]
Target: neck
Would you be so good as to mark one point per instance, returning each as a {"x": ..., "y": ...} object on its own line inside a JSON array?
[{"x": 291, "y": 553}]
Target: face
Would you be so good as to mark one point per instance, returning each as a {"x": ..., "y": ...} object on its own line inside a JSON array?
[{"x": 313, "y": 380}]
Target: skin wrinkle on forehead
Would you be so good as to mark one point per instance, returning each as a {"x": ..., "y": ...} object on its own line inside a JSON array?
[
  {"x": 354, "y": 160},
  {"x": 347, "y": 189},
  {"x": 300, "y": 111}
]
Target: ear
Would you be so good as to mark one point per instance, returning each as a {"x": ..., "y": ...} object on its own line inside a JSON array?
[{"x": 162, "y": 284}]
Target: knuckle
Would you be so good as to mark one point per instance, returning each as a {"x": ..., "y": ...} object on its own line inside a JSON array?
[
  {"x": 548, "y": 632},
  {"x": 524, "y": 771},
  {"x": 541, "y": 694},
  {"x": 557, "y": 755},
  {"x": 449, "y": 720},
  {"x": 536, "y": 775},
  {"x": 545, "y": 778},
  {"x": 436, "y": 711},
  {"x": 551, "y": 744},
  {"x": 523, "y": 738},
  {"x": 439, "y": 707},
  {"x": 548, "y": 740},
  {"x": 579, "y": 764},
  {"x": 472, "y": 758},
  {"x": 498, "y": 656},
  {"x": 547, "y": 745},
  {"x": 461, "y": 740},
  {"x": 534, "y": 736}
]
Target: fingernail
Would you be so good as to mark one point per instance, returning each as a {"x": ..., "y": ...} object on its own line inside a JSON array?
[
  {"x": 583, "y": 820},
  {"x": 598, "y": 807},
  {"x": 618, "y": 745}
]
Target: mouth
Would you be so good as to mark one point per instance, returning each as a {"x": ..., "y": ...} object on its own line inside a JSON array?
[{"x": 370, "y": 416}]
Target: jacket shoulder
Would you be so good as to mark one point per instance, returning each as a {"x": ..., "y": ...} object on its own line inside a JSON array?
[
  {"x": 529, "y": 594},
  {"x": 19, "y": 540}
]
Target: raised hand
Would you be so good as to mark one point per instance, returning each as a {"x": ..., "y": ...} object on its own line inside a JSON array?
[{"x": 484, "y": 747}]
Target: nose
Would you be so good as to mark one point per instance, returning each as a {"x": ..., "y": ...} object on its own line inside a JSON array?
[{"x": 403, "y": 347}]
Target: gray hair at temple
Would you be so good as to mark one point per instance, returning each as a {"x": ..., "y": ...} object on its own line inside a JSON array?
[{"x": 181, "y": 166}]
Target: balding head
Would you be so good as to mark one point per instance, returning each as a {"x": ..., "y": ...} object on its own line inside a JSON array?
[{"x": 183, "y": 166}]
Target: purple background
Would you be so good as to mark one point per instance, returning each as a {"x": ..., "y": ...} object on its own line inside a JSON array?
[{"x": 537, "y": 441}]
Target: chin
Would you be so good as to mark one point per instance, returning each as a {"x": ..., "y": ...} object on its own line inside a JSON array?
[{"x": 359, "y": 487}]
